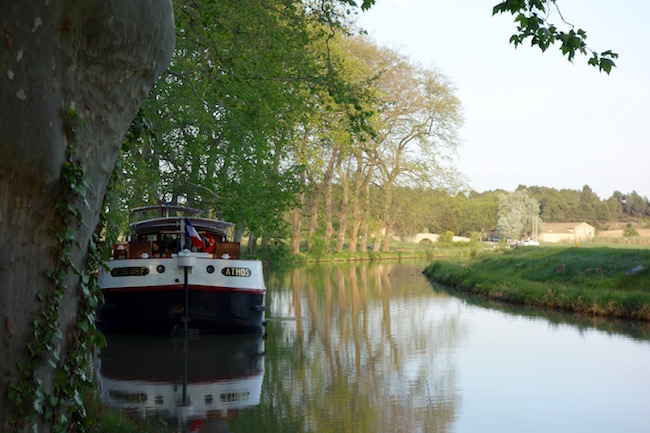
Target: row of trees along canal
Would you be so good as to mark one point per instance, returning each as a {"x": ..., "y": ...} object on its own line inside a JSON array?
[
  {"x": 328, "y": 151},
  {"x": 266, "y": 141},
  {"x": 295, "y": 159}
]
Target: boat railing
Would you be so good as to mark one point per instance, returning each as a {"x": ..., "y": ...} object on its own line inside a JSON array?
[
  {"x": 151, "y": 249},
  {"x": 157, "y": 211}
]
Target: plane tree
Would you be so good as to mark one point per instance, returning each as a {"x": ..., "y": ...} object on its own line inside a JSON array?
[
  {"x": 72, "y": 76},
  {"x": 338, "y": 142},
  {"x": 223, "y": 113},
  {"x": 249, "y": 82},
  {"x": 416, "y": 127}
]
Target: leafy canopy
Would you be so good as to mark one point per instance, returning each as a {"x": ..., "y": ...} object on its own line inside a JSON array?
[{"x": 533, "y": 21}]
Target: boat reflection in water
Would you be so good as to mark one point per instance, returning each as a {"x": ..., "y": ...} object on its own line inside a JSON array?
[{"x": 199, "y": 383}]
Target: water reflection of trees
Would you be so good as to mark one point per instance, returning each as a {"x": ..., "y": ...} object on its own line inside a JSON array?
[{"x": 360, "y": 348}]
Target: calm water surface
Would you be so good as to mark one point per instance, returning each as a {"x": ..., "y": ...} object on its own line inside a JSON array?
[{"x": 377, "y": 348}]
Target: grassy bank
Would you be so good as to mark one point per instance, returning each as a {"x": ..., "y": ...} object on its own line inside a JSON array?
[
  {"x": 365, "y": 256},
  {"x": 594, "y": 281},
  {"x": 105, "y": 419},
  {"x": 399, "y": 250}
]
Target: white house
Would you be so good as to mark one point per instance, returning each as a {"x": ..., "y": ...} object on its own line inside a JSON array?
[{"x": 567, "y": 232}]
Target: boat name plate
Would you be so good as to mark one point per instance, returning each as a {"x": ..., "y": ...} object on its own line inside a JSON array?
[
  {"x": 231, "y": 271},
  {"x": 130, "y": 271}
]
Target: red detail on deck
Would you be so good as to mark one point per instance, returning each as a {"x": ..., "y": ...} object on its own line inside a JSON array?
[{"x": 181, "y": 287}]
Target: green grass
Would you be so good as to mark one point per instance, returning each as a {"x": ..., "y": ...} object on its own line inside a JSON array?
[
  {"x": 104, "y": 419},
  {"x": 398, "y": 250},
  {"x": 585, "y": 280}
]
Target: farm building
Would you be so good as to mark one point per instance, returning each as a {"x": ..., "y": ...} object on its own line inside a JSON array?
[{"x": 566, "y": 232}]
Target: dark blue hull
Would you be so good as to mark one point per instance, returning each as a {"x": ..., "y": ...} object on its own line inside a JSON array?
[{"x": 161, "y": 310}]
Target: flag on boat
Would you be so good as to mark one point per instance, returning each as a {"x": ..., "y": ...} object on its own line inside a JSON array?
[{"x": 193, "y": 234}]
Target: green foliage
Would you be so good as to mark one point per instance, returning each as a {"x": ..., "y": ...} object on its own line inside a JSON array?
[
  {"x": 585, "y": 205},
  {"x": 518, "y": 215},
  {"x": 277, "y": 253},
  {"x": 630, "y": 231},
  {"x": 318, "y": 247},
  {"x": 105, "y": 419},
  {"x": 446, "y": 239},
  {"x": 219, "y": 131},
  {"x": 532, "y": 18}
]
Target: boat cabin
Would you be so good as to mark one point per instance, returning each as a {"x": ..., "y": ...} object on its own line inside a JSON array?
[{"x": 160, "y": 231}]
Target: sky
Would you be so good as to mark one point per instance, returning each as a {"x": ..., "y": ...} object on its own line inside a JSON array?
[{"x": 533, "y": 118}]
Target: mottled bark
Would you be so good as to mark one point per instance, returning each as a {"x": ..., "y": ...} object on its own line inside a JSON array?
[
  {"x": 313, "y": 214},
  {"x": 361, "y": 182},
  {"x": 251, "y": 246},
  {"x": 388, "y": 222},
  {"x": 343, "y": 214},
  {"x": 329, "y": 213},
  {"x": 296, "y": 219},
  {"x": 97, "y": 59},
  {"x": 296, "y": 213},
  {"x": 354, "y": 228},
  {"x": 365, "y": 224}
]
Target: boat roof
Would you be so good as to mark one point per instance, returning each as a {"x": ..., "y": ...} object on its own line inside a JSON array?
[
  {"x": 163, "y": 210},
  {"x": 173, "y": 225},
  {"x": 169, "y": 218}
]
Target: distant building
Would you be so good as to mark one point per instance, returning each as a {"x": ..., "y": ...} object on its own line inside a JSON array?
[{"x": 566, "y": 232}]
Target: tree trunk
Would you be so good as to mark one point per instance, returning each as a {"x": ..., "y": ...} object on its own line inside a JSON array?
[
  {"x": 313, "y": 215},
  {"x": 296, "y": 218},
  {"x": 296, "y": 213},
  {"x": 343, "y": 215},
  {"x": 356, "y": 212},
  {"x": 264, "y": 244},
  {"x": 388, "y": 202},
  {"x": 91, "y": 60},
  {"x": 366, "y": 221},
  {"x": 356, "y": 224},
  {"x": 376, "y": 245},
  {"x": 238, "y": 234},
  {"x": 251, "y": 247},
  {"x": 329, "y": 227},
  {"x": 327, "y": 184},
  {"x": 361, "y": 182}
]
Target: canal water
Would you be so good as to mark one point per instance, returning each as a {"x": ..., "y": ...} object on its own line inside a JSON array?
[{"x": 378, "y": 348}]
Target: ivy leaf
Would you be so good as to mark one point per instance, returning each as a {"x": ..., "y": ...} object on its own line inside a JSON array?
[
  {"x": 99, "y": 340},
  {"x": 83, "y": 327}
]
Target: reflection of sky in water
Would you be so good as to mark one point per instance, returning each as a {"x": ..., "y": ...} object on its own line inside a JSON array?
[{"x": 522, "y": 375}]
